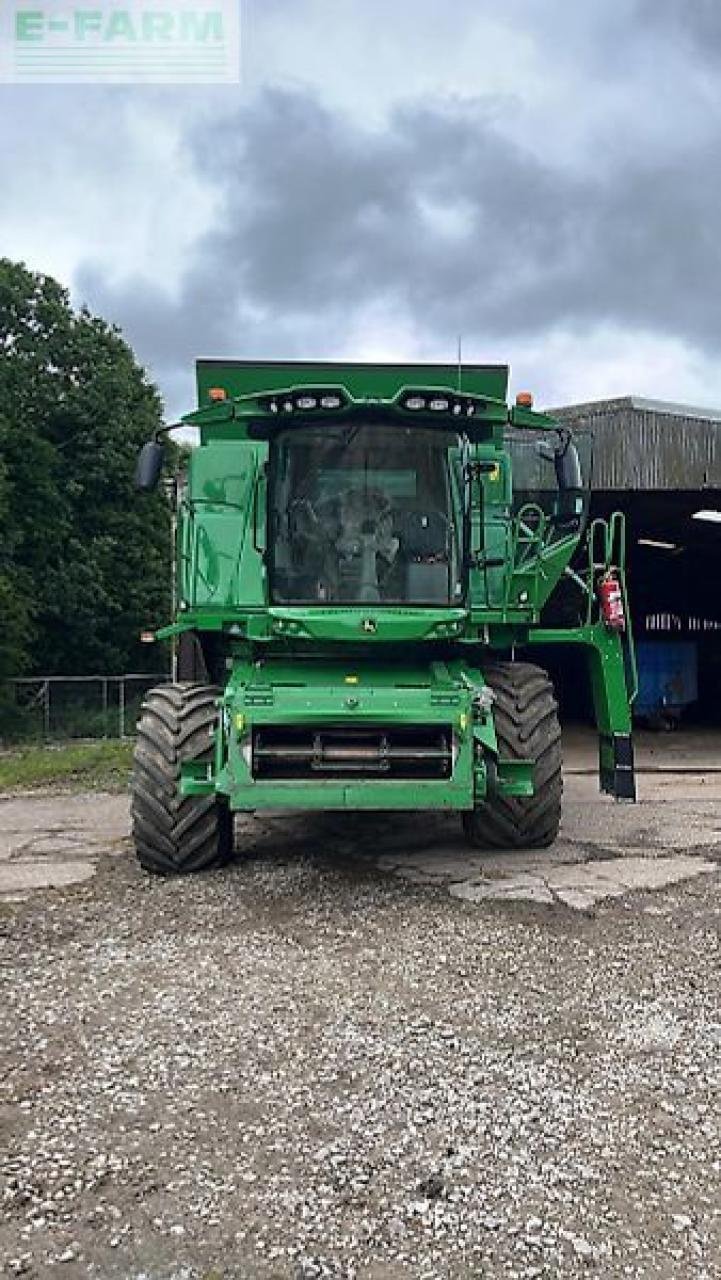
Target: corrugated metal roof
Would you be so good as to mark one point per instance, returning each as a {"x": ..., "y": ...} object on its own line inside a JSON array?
[
  {"x": 650, "y": 444},
  {"x": 673, "y": 410},
  {"x": 666, "y": 408}
]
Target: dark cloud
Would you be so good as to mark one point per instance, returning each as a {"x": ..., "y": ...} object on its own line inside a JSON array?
[
  {"x": 697, "y": 22},
  {"x": 440, "y": 217}
]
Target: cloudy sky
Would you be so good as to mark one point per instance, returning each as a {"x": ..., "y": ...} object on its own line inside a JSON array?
[{"x": 540, "y": 176}]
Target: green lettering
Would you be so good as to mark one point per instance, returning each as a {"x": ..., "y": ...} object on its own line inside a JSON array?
[
  {"x": 87, "y": 21},
  {"x": 120, "y": 26},
  {"x": 29, "y": 24},
  {"x": 157, "y": 25},
  {"x": 201, "y": 26}
]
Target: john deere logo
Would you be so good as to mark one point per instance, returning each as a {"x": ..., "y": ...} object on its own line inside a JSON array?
[{"x": 368, "y": 625}]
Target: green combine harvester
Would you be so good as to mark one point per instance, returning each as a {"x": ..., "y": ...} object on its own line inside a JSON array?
[{"x": 365, "y": 556}]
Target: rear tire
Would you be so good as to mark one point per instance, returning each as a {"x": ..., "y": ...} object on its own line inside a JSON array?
[
  {"x": 175, "y": 834},
  {"x": 527, "y": 728}
]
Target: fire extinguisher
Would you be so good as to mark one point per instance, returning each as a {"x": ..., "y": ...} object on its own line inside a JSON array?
[{"x": 611, "y": 601}]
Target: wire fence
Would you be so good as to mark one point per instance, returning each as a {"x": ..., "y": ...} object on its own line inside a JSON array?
[{"x": 76, "y": 706}]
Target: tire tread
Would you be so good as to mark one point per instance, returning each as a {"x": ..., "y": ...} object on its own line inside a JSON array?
[
  {"x": 527, "y": 728},
  {"x": 175, "y": 834}
]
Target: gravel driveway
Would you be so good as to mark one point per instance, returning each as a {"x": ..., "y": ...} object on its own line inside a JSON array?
[{"x": 306, "y": 1066}]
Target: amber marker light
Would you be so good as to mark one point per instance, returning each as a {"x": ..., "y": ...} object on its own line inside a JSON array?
[
  {"x": 524, "y": 400},
  {"x": 217, "y": 393}
]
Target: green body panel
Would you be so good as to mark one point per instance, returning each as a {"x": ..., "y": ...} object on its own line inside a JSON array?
[
  {"x": 613, "y": 684},
  {"x": 247, "y": 377},
  {"x": 375, "y": 663},
  {"x": 331, "y": 693},
  {"x": 220, "y": 568},
  {"x": 326, "y": 691}
]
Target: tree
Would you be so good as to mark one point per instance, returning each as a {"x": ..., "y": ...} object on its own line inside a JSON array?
[
  {"x": 84, "y": 564},
  {"x": 15, "y": 632}
]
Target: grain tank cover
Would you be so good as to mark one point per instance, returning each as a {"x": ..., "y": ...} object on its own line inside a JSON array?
[{"x": 248, "y": 377}]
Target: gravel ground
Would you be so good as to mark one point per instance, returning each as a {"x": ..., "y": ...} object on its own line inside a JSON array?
[{"x": 300, "y": 1067}]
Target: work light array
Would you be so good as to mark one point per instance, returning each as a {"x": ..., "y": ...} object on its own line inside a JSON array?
[
  {"x": 459, "y": 406},
  {"x": 329, "y": 401},
  {"x": 306, "y": 402}
]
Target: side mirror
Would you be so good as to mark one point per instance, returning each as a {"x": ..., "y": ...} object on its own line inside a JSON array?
[
  {"x": 149, "y": 466},
  {"x": 568, "y": 467},
  {"x": 570, "y": 504}
]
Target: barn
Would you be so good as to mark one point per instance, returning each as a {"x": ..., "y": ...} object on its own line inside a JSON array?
[{"x": 660, "y": 464}]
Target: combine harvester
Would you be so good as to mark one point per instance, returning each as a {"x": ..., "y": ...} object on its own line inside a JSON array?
[{"x": 363, "y": 556}]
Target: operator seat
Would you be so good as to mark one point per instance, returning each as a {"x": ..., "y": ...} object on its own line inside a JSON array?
[{"x": 425, "y": 548}]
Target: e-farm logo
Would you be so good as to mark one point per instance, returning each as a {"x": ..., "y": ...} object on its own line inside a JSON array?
[{"x": 123, "y": 42}]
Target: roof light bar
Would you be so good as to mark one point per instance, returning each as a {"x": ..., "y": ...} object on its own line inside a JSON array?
[
  {"x": 458, "y": 405},
  {"x": 305, "y": 401}
]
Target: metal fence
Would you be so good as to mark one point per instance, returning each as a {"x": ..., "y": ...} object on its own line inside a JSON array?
[{"x": 78, "y": 706}]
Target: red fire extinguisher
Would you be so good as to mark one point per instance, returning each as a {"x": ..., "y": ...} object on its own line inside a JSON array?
[{"x": 611, "y": 600}]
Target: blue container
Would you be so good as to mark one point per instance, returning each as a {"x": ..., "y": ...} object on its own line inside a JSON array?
[{"x": 667, "y": 677}]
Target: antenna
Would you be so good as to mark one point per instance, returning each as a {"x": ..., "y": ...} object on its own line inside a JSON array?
[{"x": 460, "y": 361}]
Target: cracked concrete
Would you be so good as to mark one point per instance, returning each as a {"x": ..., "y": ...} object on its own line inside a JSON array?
[
  {"x": 583, "y": 885},
  {"x": 50, "y": 841},
  {"x": 605, "y": 850}
]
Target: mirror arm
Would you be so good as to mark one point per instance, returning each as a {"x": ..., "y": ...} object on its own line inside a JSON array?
[{"x": 166, "y": 427}]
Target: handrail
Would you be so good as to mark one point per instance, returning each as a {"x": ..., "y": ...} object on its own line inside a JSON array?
[
  {"x": 608, "y": 537},
  {"x": 527, "y": 542}
]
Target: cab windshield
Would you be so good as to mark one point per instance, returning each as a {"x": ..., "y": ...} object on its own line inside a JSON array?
[{"x": 365, "y": 513}]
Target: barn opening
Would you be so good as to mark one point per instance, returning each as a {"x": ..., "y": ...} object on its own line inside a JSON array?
[{"x": 660, "y": 464}]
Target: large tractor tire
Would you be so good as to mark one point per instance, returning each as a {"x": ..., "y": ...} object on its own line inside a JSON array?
[
  {"x": 527, "y": 728},
  {"x": 173, "y": 833}
]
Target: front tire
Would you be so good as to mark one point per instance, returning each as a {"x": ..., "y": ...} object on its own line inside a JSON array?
[
  {"x": 175, "y": 834},
  {"x": 527, "y": 728}
]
